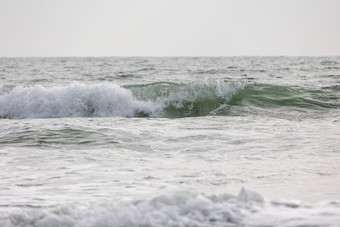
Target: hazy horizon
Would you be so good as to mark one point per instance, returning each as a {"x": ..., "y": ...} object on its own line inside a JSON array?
[
  {"x": 183, "y": 56},
  {"x": 153, "y": 28}
]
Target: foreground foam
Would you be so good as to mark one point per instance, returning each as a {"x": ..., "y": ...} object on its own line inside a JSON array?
[{"x": 181, "y": 209}]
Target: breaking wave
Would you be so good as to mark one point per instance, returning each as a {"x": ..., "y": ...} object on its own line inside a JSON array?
[
  {"x": 249, "y": 208},
  {"x": 163, "y": 99}
]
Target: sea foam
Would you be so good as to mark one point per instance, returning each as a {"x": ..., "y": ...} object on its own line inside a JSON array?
[
  {"x": 74, "y": 100},
  {"x": 184, "y": 208}
]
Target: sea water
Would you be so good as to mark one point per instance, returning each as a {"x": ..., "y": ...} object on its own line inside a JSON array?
[{"x": 227, "y": 141}]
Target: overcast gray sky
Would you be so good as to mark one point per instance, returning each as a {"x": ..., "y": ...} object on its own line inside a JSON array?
[{"x": 169, "y": 27}]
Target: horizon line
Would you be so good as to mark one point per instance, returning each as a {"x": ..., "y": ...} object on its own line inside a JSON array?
[{"x": 165, "y": 56}]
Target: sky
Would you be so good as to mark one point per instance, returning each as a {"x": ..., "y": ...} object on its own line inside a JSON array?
[{"x": 55, "y": 28}]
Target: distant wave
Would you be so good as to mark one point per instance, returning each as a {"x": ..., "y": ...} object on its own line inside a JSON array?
[
  {"x": 162, "y": 99},
  {"x": 184, "y": 208}
]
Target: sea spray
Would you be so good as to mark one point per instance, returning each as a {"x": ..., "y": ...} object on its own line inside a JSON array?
[{"x": 74, "y": 100}]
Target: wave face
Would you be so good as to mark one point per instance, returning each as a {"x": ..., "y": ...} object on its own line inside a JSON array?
[
  {"x": 200, "y": 98},
  {"x": 163, "y": 99},
  {"x": 181, "y": 209}
]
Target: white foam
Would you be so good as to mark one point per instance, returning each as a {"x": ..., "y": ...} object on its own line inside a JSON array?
[
  {"x": 74, "y": 100},
  {"x": 249, "y": 208}
]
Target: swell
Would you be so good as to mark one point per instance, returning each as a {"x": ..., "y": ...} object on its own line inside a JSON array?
[
  {"x": 162, "y": 99},
  {"x": 274, "y": 96}
]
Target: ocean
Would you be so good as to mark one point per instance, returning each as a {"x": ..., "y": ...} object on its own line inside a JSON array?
[{"x": 170, "y": 141}]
